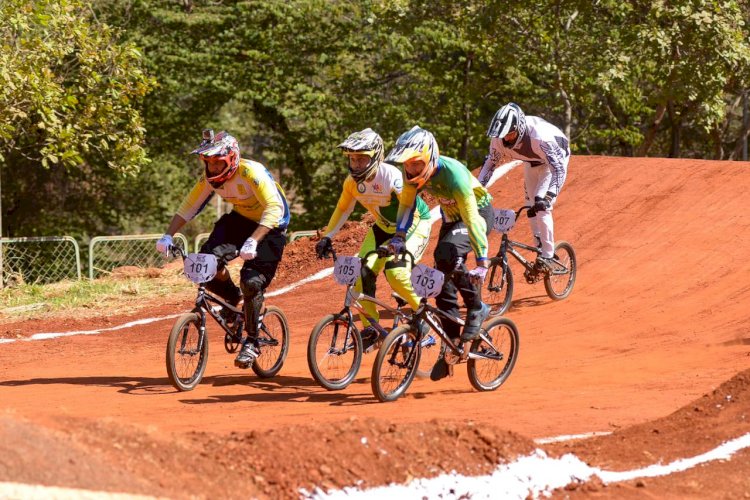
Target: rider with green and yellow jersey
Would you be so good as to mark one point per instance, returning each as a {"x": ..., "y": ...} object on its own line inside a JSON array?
[
  {"x": 377, "y": 186},
  {"x": 467, "y": 216}
]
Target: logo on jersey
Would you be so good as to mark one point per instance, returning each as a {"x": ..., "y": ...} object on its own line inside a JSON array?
[
  {"x": 361, "y": 187},
  {"x": 377, "y": 188},
  {"x": 446, "y": 201}
]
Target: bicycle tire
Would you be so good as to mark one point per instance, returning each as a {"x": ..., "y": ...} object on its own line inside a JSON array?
[
  {"x": 326, "y": 368},
  {"x": 499, "y": 291},
  {"x": 273, "y": 337},
  {"x": 395, "y": 353},
  {"x": 566, "y": 255},
  {"x": 496, "y": 362},
  {"x": 183, "y": 369}
]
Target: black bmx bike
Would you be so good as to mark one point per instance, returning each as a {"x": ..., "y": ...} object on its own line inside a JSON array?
[
  {"x": 559, "y": 277},
  {"x": 187, "y": 347},
  {"x": 489, "y": 359},
  {"x": 335, "y": 347}
]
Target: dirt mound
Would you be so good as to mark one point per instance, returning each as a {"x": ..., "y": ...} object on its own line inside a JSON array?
[{"x": 273, "y": 463}]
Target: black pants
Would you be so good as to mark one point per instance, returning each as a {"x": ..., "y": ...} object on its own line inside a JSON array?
[
  {"x": 450, "y": 254},
  {"x": 226, "y": 239}
]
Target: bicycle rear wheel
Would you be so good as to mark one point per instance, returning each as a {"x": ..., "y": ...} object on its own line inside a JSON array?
[
  {"x": 396, "y": 364},
  {"x": 490, "y": 365},
  {"x": 499, "y": 291},
  {"x": 334, "y": 352},
  {"x": 561, "y": 278},
  {"x": 186, "y": 363},
  {"x": 273, "y": 343}
]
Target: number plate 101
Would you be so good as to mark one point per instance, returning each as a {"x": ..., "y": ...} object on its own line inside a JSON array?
[{"x": 200, "y": 267}]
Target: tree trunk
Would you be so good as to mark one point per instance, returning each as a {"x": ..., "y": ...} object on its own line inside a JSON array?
[
  {"x": 676, "y": 128},
  {"x": 652, "y": 129}
]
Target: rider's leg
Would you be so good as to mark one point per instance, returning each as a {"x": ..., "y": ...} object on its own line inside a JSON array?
[
  {"x": 368, "y": 279},
  {"x": 227, "y": 236},
  {"x": 450, "y": 254},
  {"x": 399, "y": 275},
  {"x": 256, "y": 275},
  {"x": 536, "y": 181}
]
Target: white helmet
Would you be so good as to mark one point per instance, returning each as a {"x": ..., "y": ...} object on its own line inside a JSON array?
[
  {"x": 366, "y": 142},
  {"x": 508, "y": 119}
]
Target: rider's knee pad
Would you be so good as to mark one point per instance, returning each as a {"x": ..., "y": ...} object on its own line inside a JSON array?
[
  {"x": 369, "y": 280},
  {"x": 252, "y": 285}
]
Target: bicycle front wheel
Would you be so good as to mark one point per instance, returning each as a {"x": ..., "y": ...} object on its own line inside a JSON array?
[
  {"x": 499, "y": 291},
  {"x": 490, "y": 364},
  {"x": 273, "y": 343},
  {"x": 187, "y": 352},
  {"x": 396, "y": 364},
  {"x": 560, "y": 279},
  {"x": 334, "y": 352}
]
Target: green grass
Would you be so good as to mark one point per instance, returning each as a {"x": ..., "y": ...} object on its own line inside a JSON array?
[{"x": 103, "y": 296}]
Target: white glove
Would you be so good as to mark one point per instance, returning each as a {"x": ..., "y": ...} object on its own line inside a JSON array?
[
  {"x": 249, "y": 249},
  {"x": 164, "y": 243},
  {"x": 477, "y": 275}
]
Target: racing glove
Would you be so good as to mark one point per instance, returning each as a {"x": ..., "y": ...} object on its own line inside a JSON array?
[
  {"x": 397, "y": 244},
  {"x": 477, "y": 275},
  {"x": 164, "y": 244},
  {"x": 324, "y": 247},
  {"x": 249, "y": 249}
]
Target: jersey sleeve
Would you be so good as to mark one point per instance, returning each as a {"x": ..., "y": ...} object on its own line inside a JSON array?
[
  {"x": 196, "y": 200},
  {"x": 343, "y": 209},
  {"x": 477, "y": 227},
  {"x": 264, "y": 188},
  {"x": 406, "y": 205},
  {"x": 555, "y": 158},
  {"x": 490, "y": 162}
]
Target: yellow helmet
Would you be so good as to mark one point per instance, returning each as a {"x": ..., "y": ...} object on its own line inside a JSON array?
[{"x": 416, "y": 143}]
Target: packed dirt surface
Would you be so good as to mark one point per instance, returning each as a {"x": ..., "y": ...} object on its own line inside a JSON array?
[{"x": 651, "y": 348}]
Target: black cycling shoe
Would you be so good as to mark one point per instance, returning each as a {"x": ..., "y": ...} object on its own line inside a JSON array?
[
  {"x": 440, "y": 370},
  {"x": 474, "y": 320}
]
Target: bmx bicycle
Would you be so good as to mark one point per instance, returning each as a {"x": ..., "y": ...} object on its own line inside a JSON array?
[
  {"x": 187, "y": 347},
  {"x": 335, "y": 347},
  {"x": 559, "y": 277},
  {"x": 489, "y": 358}
]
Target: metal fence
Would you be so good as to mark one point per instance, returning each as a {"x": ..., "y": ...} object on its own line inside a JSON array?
[
  {"x": 39, "y": 260},
  {"x": 108, "y": 252}
]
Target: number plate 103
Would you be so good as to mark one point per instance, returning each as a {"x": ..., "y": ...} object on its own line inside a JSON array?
[
  {"x": 200, "y": 267},
  {"x": 427, "y": 281},
  {"x": 346, "y": 270}
]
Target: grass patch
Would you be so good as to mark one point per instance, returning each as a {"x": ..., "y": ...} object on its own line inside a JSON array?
[{"x": 115, "y": 295}]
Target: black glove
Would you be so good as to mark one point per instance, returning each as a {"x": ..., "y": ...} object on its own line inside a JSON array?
[
  {"x": 542, "y": 204},
  {"x": 324, "y": 247}
]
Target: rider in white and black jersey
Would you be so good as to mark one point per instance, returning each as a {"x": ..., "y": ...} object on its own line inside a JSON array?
[{"x": 545, "y": 151}]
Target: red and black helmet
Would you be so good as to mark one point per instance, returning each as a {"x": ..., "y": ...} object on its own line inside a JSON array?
[{"x": 221, "y": 148}]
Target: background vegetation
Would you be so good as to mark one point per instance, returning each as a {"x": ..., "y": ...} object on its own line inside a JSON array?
[{"x": 101, "y": 102}]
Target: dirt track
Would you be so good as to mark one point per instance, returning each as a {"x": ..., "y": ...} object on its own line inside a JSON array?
[{"x": 657, "y": 319}]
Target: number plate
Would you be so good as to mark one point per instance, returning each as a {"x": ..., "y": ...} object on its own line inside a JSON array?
[
  {"x": 427, "y": 282},
  {"x": 346, "y": 270},
  {"x": 200, "y": 267},
  {"x": 504, "y": 219}
]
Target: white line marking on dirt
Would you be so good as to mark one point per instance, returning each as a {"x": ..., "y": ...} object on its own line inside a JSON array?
[
  {"x": 33, "y": 492},
  {"x": 435, "y": 213},
  {"x": 570, "y": 437},
  {"x": 529, "y": 477}
]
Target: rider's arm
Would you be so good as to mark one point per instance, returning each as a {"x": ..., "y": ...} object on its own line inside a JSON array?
[
  {"x": 406, "y": 203},
  {"x": 467, "y": 206},
  {"x": 555, "y": 159},
  {"x": 175, "y": 225},
  {"x": 267, "y": 194},
  {"x": 195, "y": 201},
  {"x": 491, "y": 161},
  {"x": 343, "y": 209}
]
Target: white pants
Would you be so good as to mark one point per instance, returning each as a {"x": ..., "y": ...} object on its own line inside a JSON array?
[{"x": 536, "y": 180}]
